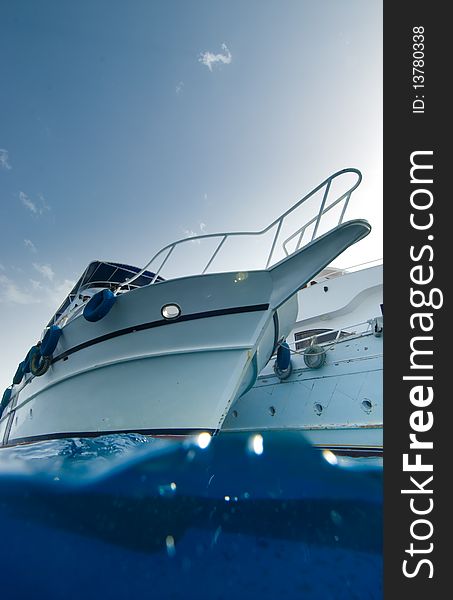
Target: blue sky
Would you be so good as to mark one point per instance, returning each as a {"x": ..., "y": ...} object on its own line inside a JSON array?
[{"x": 126, "y": 125}]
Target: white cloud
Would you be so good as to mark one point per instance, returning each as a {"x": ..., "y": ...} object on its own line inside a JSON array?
[
  {"x": 51, "y": 294},
  {"x": 179, "y": 87},
  {"x": 30, "y": 245},
  {"x": 209, "y": 59},
  {"x": 45, "y": 270},
  {"x": 4, "y": 163},
  {"x": 28, "y": 203},
  {"x": 36, "y": 285},
  {"x": 190, "y": 233},
  {"x": 44, "y": 206},
  {"x": 11, "y": 293},
  {"x": 54, "y": 294},
  {"x": 37, "y": 208}
]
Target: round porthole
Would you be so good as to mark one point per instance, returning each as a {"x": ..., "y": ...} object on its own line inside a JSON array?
[
  {"x": 170, "y": 311},
  {"x": 367, "y": 406}
]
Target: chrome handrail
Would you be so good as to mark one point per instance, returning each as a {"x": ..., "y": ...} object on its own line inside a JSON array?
[
  {"x": 277, "y": 223},
  {"x": 314, "y": 339}
]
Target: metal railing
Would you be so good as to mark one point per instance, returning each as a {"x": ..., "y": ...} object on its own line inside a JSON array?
[
  {"x": 325, "y": 206},
  {"x": 340, "y": 335}
]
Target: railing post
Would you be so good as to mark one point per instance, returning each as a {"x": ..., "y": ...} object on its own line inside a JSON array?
[
  {"x": 326, "y": 193},
  {"x": 274, "y": 242},
  {"x": 345, "y": 206},
  {"x": 299, "y": 241},
  {"x": 163, "y": 263},
  {"x": 214, "y": 255}
]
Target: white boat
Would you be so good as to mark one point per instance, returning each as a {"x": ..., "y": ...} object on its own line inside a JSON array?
[
  {"x": 159, "y": 352},
  {"x": 333, "y": 389}
]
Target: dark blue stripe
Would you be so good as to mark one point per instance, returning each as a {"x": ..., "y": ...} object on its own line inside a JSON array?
[{"x": 151, "y": 325}]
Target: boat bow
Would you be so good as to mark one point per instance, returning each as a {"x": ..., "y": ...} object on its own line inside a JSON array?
[{"x": 294, "y": 272}]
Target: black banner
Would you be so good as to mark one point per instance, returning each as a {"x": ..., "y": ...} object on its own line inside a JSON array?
[{"x": 416, "y": 269}]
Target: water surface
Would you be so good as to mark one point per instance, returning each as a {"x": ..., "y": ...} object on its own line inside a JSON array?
[{"x": 240, "y": 515}]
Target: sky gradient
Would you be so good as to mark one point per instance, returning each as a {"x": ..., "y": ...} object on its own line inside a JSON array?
[{"x": 126, "y": 125}]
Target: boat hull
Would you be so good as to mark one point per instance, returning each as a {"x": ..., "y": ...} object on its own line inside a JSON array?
[
  {"x": 156, "y": 376},
  {"x": 338, "y": 406},
  {"x": 137, "y": 369}
]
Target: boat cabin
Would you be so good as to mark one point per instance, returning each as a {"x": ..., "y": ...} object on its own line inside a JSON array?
[{"x": 97, "y": 276}]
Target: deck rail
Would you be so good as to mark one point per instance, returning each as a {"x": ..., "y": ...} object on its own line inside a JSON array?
[
  {"x": 333, "y": 336},
  {"x": 328, "y": 201}
]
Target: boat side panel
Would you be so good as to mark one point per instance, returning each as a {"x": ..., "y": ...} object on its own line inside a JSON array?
[
  {"x": 226, "y": 332},
  {"x": 184, "y": 377},
  {"x": 155, "y": 393},
  {"x": 346, "y": 392},
  {"x": 195, "y": 296}
]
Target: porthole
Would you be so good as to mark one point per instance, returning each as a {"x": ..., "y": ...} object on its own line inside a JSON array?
[
  {"x": 318, "y": 409},
  {"x": 170, "y": 311},
  {"x": 367, "y": 406}
]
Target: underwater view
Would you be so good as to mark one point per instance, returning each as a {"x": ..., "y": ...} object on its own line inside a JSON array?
[{"x": 235, "y": 515}]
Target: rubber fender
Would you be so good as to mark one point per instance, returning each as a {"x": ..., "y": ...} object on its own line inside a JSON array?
[
  {"x": 50, "y": 340},
  {"x": 26, "y": 368},
  {"x": 282, "y": 366},
  {"x": 99, "y": 305},
  {"x": 315, "y": 356},
  {"x": 39, "y": 364},
  {"x": 283, "y": 356},
  {"x": 19, "y": 375},
  {"x": 5, "y": 400}
]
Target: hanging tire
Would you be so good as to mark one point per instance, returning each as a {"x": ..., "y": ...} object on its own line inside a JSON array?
[
  {"x": 39, "y": 364},
  {"x": 315, "y": 356},
  {"x": 26, "y": 368},
  {"x": 99, "y": 305},
  {"x": 50, "y": 340}
]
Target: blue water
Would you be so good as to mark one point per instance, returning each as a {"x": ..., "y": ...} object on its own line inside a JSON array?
[{"x": 126, "y": 516}]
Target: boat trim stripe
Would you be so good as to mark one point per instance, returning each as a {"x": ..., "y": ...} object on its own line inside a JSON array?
[
  {"x": 353, "y": 451},
  {"x": 152, "y": 324}
]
